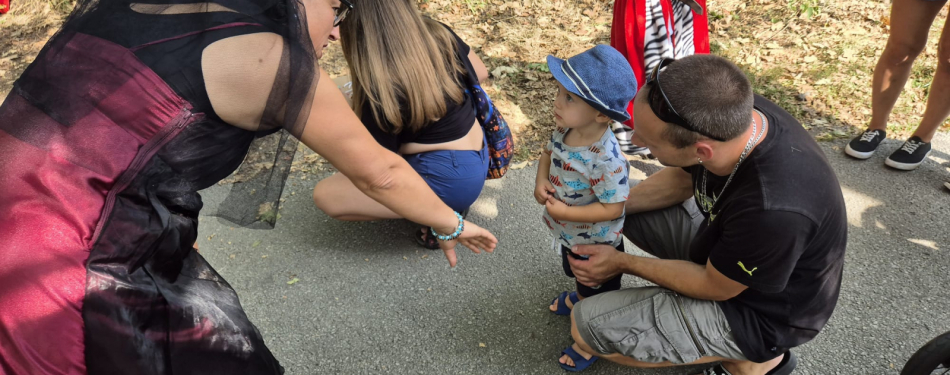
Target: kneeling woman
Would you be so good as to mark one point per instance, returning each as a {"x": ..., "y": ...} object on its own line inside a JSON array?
[{"x": 409, "y": 79}]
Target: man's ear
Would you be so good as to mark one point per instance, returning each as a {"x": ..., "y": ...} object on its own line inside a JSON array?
[{"x": 704, "y": 150}]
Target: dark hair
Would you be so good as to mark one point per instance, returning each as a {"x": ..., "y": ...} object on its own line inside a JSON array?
[{"x": 711, "y": 93}]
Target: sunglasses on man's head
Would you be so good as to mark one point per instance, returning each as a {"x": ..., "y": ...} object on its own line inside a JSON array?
[
  {"x": 339, "y": 13},
  {"x": 663, "y": 108}
]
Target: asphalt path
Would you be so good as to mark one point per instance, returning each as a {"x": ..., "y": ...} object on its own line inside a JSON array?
[{"x": 334, "y": 297}]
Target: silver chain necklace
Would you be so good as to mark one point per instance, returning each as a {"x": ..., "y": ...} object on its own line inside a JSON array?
[{"x": 707, "y": 203}]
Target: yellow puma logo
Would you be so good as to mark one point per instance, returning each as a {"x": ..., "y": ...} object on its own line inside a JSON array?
[{"x": 747, "y": 271}]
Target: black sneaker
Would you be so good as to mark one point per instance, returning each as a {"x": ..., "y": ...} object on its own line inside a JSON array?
[
  {"x": 864, "y": 145},
  {"x": 910, "y": 155}
]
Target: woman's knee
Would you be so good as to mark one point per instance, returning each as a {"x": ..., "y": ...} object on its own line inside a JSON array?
[
  {"x": 943, "y": 56},
  {"x": 903, "y": 51},
  {"x": 324, "y": 200}
]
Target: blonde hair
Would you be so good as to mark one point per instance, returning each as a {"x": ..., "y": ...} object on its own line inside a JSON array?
[{"x": 400, "y": 60}]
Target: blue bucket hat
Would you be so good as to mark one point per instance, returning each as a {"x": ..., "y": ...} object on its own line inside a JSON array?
[{"x": 601, "y": 76}]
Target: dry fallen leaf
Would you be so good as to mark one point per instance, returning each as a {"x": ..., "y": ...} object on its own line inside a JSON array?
[
  {"x": 520, "y": 165},
  {"x": 503, "y": 71},
  {"x": 513, "y": 34}
]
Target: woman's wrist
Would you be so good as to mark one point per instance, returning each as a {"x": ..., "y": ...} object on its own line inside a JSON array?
[
  {"x": 446, "y": 226},
  {"x": 450, "y": 233},
  {"x": 443, "y": 230}
]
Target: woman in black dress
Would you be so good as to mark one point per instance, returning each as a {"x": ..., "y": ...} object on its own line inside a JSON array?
[{"x": 106, "y": 138}]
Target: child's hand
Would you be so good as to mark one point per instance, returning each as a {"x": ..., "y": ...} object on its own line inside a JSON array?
[
  {"x": 555, "y": 207},
  {"x": 543, "y": 190}
]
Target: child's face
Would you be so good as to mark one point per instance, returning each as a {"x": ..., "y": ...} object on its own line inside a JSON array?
[{"x": 570, "y": 111}]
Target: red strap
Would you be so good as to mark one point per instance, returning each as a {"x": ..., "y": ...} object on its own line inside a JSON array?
[{"x": 225, "y": 26}]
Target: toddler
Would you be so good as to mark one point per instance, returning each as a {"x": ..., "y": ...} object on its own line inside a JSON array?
[{"x": 582, "y": 181}]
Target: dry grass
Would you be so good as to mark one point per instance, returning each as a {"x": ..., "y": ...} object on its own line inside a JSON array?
[
  {"x": 813, "y": 57},
  {"x": 513, "y": 38},
  {"x": 816, "y": 59},
  {"x": 24, "y": 31}
]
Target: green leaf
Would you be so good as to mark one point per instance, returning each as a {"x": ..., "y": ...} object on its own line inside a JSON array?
[
  {"x": 293, "y": 281},
  {"x": 541, "y": 67}
]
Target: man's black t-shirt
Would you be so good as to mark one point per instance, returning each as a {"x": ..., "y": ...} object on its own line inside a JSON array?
[{"x": 780, "y": 228}]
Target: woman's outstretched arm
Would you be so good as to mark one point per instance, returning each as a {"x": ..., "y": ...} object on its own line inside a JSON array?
[
  {"x": 334, "y": 132},
  {"x": 239, "y": 73}
]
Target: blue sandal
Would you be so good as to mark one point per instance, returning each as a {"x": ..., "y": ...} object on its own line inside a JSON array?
[
  {"x": 580, "y": 363},
  {"x": 562, "y": 308}
]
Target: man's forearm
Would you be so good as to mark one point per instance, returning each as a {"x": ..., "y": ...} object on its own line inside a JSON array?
[
  {"x": 668, "y": 187},
  {"x": 684, "y": 277}
]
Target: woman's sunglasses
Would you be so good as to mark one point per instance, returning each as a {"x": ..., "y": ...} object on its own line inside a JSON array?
[
  {"x": 341, "y": 12},
  {"x": 663, "y": 109}
]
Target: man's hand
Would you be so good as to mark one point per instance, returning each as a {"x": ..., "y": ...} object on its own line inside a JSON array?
[
  {"x": 542, "y": 190},
  {"x": 682, "y": 276},
  {"x": 602, "y": 264}
]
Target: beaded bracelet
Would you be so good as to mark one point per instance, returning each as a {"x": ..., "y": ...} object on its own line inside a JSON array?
[{"x": 458, "y": 230}]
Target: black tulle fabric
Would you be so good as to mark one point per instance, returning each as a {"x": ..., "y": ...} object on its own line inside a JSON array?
[
  {"x": 254, "y": 200},
  {"x": 152, "y": 304}
]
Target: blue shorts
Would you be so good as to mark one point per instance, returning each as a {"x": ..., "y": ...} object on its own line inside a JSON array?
[{"x": 455, "y": 176}]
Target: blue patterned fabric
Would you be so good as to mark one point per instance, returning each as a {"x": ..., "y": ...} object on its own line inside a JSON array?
[
  {"x": 601, "y": 76},
  {"x": 501, "y": 145},
  {"x": 586, "y": 175}
]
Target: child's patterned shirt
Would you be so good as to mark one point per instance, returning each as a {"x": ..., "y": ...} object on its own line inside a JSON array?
[{"x": 585, "y": 175}]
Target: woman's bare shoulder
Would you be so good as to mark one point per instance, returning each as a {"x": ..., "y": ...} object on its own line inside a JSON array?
[{"x": 239, "y": 73}]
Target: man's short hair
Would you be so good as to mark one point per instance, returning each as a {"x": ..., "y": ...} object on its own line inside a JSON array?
[{"x": 711, "y": 93}]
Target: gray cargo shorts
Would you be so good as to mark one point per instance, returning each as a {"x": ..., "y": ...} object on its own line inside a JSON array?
[{"x": 654, "y": 324}]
